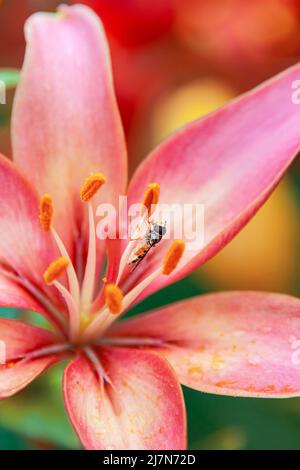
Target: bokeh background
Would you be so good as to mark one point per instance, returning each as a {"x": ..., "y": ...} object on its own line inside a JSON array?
[{"x": 174, "y": 61}]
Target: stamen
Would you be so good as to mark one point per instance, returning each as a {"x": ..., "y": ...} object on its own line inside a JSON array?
[
  {"x": 56, "y": 314},
  {"x": 173, "y": 256},
  {"x": 151, "y": 197},
  {"x": 139, "y": 288},
  {"x": 91, "y": 186},
  {"x": 88, "y": 190},
  {"x": 95, "y": 328},
  {"x": 56, "y": 269},
  {"x": 105, "y": 317},
  {"x": 131, "y": 341},
  {"x": 46, "y": 212},
  {"x": 74, "y": 315},
  {"x": 45, "y": 217},
  {"x": 130, "y": 246},
  {"x": 113, "y": 298},
  {"x": 46, "y": 351},
  {"x": 72, "y": 277},
  {"x": 124, "y": 259},
  {"x": 88, "y": 283}
]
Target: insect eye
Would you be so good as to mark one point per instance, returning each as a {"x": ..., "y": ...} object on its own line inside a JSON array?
[{"x": 162, "y": 230}]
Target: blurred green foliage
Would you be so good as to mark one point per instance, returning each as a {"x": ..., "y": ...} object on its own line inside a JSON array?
[
  {"x": 37, "y": 413},
  {"x": 10, "y": 77}
]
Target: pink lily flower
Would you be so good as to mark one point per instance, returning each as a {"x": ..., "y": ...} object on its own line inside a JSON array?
[{"x": 122, "y": 385}]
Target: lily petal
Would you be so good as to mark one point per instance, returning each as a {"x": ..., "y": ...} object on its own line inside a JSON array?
[
  {"x": 235, "y": 343},
  {"x": 16, "y": 340},
  {"x": 142, "y": 409},
  {"x": 229, "y": 161},
  {"x": 21, "y": 338},
  {"x": 65, "y": 119},
  {"x": 14, "y": 296},
  {"x": 24, "y": 248},
  {"x": 14, "y": 378}
]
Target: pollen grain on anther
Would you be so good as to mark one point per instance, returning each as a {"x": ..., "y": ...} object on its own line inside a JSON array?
[
  {"x": 91, "y": 185},
  {"x": 56, "y": 269},
  {"x": 173, "y": 256},
  {"x": 113, "y": 298},
  {"x": 45, "y": 212},
  {"x": 151, "y": 197}
]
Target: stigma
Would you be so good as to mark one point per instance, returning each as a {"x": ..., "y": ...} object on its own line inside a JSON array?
[
  {"x": 173, "y": 256},
  {"x": 113, "y": 298},
  {"x": 151, "y": 197},
  {"x": 45, "y": 212},
  {"x": 55, "y": 270},
  {"x": 91, "y": 185}
]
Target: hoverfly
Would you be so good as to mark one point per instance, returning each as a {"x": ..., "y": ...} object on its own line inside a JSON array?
[{"x": 151, "y": 238}]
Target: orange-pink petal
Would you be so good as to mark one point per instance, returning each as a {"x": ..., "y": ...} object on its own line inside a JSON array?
[
  {"x": 16, "y": 340},
  {"x": 15, "y": 296},
  {"x": 234, "y": 343},
  {"x": 24, "y": 248},
  {"x": 142, "y": 409},
  {"x": 229, "y": 162},
  {"x": 21, "y": 338},
  {"x": 15, "y": 377},
  {"x": 65, "y": 121}
]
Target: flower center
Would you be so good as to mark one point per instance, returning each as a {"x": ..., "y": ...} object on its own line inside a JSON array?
[{"x": 90, "y": 315}]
